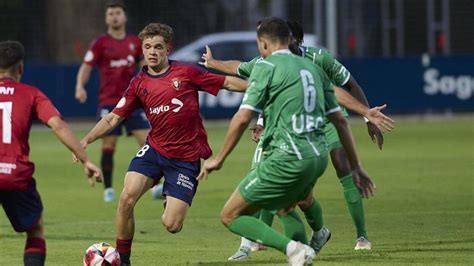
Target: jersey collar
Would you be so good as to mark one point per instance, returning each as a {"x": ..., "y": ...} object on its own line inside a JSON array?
[
  {"x": 282, "y": 51},
  {"x": 145, "y": 70}
]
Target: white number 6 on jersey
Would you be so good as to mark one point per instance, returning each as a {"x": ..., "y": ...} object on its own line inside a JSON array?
[{"x": 309, "y": 90}]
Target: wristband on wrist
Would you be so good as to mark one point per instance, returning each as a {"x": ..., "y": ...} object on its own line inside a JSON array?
[{"x": 260, "y": 121}]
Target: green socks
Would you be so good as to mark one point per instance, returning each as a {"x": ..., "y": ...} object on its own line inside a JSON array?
[
  {"x": 314, "y": 216},
  {"x": 354, "y": 203},
  {"x": 257, "y": 231},
  {"x": 266, "y": 217},
  {"x": 294, "y": 227}
]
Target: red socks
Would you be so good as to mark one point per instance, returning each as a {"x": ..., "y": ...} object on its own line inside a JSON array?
[
  {"x": 124, "y": 248},
  {"x": 35, "y": 251}
]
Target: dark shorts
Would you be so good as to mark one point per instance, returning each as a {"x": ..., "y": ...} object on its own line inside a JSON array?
[
  {"x": 136, "y": 121},
  {"x": 23, "y": 208},
  {"x": 180, "y": 177}
]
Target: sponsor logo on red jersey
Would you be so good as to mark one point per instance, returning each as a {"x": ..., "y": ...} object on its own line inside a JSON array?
[
  {"x": 165, "y": 108},
  {"x": 123, "y": 62}
]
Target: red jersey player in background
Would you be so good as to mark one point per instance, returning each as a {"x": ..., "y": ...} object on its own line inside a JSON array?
[
  {"x": 168, "y": 91},
  {"x": 117, "y": 55},
  {"x": 19, "y": 105}
]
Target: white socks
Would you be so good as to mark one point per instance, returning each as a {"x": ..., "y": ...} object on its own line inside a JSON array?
[
  {"x": 245, "y": 243},
  {"x": 291, "y": 247}
]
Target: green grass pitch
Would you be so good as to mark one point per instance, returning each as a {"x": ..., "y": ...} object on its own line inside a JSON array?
[{"x": 422, "y": 213}]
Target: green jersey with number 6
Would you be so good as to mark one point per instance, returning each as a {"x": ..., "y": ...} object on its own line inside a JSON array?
[
  {"x": 294, "y": 96},
  {"x": 335, "y": 71}
]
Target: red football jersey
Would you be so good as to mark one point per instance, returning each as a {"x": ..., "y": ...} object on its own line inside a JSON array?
[
  {"x": 171, "y": 103},
  {"x": 117, "y": 62},
  {"x": 19, "y": 105}
]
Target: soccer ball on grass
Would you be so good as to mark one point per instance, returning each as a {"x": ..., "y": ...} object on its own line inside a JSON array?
[{"x": 102, "y": 254}]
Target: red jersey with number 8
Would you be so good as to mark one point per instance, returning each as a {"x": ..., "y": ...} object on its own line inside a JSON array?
[
  {"x": 171, "y": 104},
  {"x": 20, "y": 104}
]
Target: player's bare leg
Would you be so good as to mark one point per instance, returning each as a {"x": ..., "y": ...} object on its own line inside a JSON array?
[
  {"x": 135, "y": 185},
  {"x": 237, "y": 216},
  {"x": 352, "y": 196},
  {"x": 35, "y": 248},
  {"x": 107, "y": 164},
  {"x": 174, "y": 214}
]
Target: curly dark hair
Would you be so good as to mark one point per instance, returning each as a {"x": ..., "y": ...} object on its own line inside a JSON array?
[{"x": 157, "y": 29}]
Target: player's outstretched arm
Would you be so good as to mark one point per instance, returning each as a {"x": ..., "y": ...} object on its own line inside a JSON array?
[
  {"x": 82, "y": 78},
  {"x": 235, "y": 84},
  {"x": 374, "y": 115},
  {"x": 67, "y": 137},
  {"x": 228, "y": 67},
  {"x": 362, "y": 180},
  {"x": 237, "y": 127},
  {"x": 104, "y": 126},
  {"x": 355, "y": 90}
]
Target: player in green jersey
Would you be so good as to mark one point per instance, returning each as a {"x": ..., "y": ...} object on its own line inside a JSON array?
[
  {"x": 295, "y": 96},
  {"x": 339, "y": 75}
]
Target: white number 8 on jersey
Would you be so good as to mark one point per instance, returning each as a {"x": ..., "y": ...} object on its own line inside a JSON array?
[{"x": 142, "y": 151}]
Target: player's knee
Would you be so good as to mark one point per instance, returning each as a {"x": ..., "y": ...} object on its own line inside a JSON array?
[
  {"x": 306, "y": 203},
  {"x": 172, "y": 226},
  {"x": 127, "y": 201},
  {"x": 226, "y": 218}
]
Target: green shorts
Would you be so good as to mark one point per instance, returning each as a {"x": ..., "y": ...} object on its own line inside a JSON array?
[
  {"x": 330, "y": 131},
  {"x": 276, "y": 184},
  {"x": 332, "y": 138},
  {"x": 257, "y": 156}
]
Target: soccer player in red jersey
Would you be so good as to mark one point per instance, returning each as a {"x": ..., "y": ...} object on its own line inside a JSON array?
[
  {"x": 168, "y": 91},
  {"x": 19, "y": 105},
  {"x": 117, "y": 55}
]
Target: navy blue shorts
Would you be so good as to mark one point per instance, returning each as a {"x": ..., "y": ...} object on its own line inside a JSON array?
[
  {"x": 136, "y": 121},
  {"x": 180, "y": 177},
  {"x": 23, "y": 208}
]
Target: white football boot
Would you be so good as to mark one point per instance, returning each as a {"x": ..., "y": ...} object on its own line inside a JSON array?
[
  {"x": 242, "y": 254},
  {"x": 363, "y": 244},
  {"x": 302, "y": 255},
  {"x": 319, "y": 239},
  {"x": 109, "y": 194}
]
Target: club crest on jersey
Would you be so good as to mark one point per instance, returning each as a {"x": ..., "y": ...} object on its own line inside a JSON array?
[
  {"x": 132, "y": 47},
  {"x": 176, "y": 83}
]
